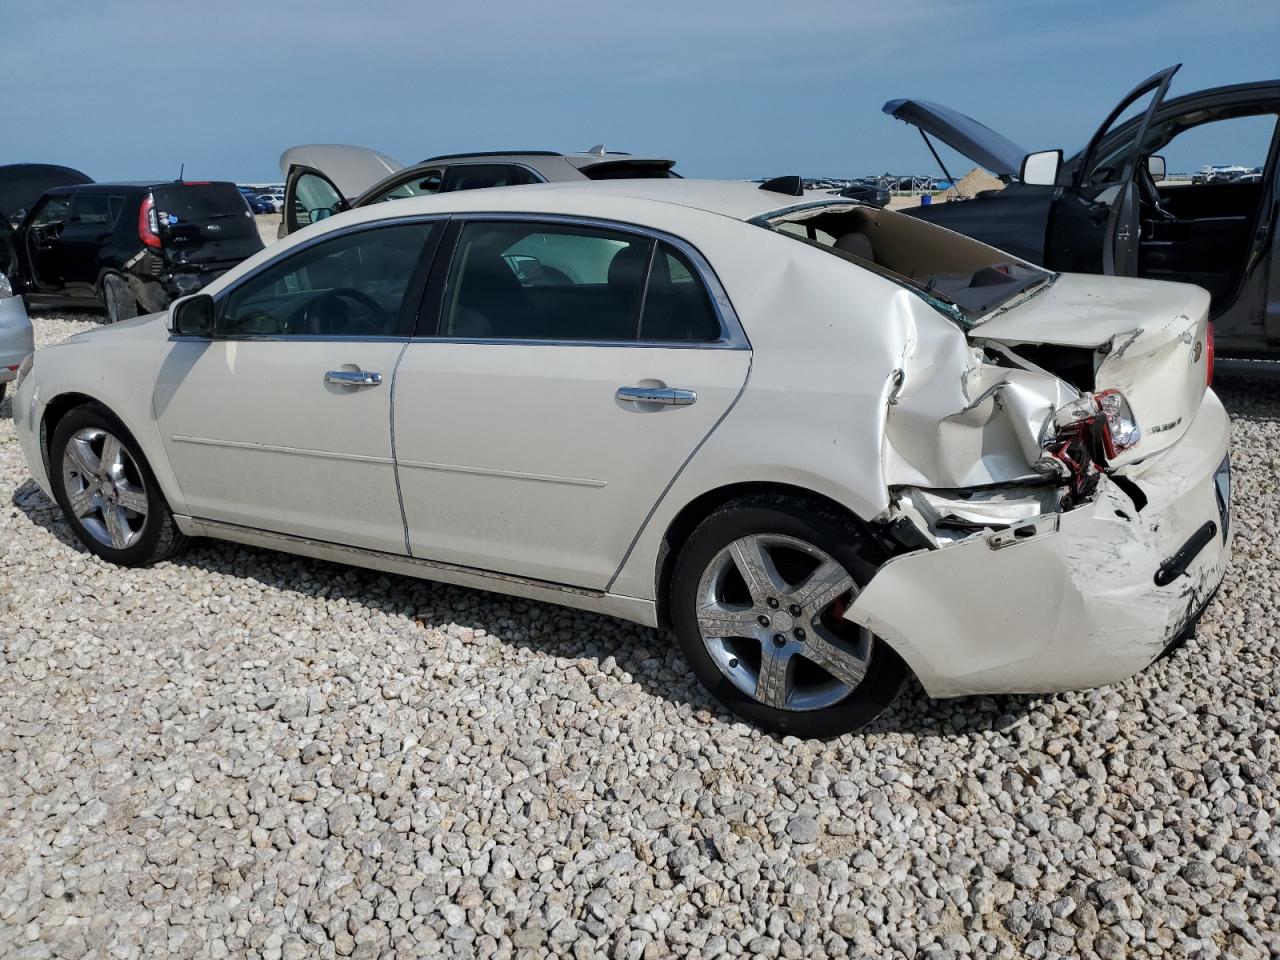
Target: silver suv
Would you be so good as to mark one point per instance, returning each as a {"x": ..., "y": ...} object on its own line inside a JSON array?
[{"x": 322, "y": 179}]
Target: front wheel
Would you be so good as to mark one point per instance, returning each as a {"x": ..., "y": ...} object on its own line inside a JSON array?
[
  {"x": 107, "y": 491},
  {"x": 758, "y": 598}
]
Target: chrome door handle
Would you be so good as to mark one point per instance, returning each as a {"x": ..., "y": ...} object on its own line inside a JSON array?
[
  {"x": 353, "y": 378},
  {"x": 667, "y": 396}
]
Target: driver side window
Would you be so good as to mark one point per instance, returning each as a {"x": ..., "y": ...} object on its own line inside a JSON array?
[{"x": 352, "y": 285}]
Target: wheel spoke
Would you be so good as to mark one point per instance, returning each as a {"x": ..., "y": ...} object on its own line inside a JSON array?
[
  {"x": 774, "y": 685},
  {"x": 80, "y": 453},
  {"x": 112, "y": 460},
  {"x": 824, "y": 585},
  {"x": 719, "y": 620},
  {"x": 131, "y": 497},
  {"x": 82, "y": 502},
  {"x": 831, "y": 656},
  {"x": 117, "y": 528},
  {"x": 757, "y": 568}
]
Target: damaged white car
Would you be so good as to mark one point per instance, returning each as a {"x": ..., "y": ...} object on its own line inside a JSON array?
[{"x": 826, "y": 443}]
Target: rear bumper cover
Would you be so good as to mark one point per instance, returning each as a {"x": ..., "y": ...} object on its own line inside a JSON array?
[{"x": 1075, "y": 606}]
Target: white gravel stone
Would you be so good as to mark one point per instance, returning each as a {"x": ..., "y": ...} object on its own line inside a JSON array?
[{"x": 241, "y": 753}]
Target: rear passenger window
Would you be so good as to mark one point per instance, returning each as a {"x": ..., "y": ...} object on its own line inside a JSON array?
[
  {"x": 531, "y": 281},
  {"x": 535, "y": 281},
  {"x": 676, "y": 306},
  {"x": 478, "y": 176}
]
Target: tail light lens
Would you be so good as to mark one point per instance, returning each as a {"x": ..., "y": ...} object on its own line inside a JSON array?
[
  {"x": 1122, "y": 428},
  {"x": 1208, "y": 355},
  {"x": 149, "y": 223}
]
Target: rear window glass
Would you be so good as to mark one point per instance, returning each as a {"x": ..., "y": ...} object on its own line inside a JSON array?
[
  {"x": 204, "y": 203},
  {"x": 631, "y": 170}
]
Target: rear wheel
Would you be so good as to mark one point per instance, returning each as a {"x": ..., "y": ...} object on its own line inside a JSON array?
[
  {"x": 118, "y": 299},
  {"x": 758, "y": 598},
  {"x": 107, "y": 491}
]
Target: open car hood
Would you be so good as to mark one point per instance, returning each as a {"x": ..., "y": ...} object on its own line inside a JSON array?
[
  {"x": 353, "y": 170},
  {"x": 22, "y": 184},
  {"x": 963, "y": 134}
]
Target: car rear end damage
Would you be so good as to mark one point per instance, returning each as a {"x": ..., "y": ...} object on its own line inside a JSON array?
[{"x": 1097, "y": 506}]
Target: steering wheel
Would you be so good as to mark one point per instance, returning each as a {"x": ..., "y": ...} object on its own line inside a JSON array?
[{"x": 315, "y": 320}]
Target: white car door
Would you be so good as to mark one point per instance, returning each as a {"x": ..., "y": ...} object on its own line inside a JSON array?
[
  {"x": 575, "y": 370},
  {"x": 281, "y": 419}
]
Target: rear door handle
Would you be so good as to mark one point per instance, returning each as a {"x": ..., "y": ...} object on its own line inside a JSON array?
[
  {"x": 353, "y": 378},
  {"x": 667, "y": 396}
]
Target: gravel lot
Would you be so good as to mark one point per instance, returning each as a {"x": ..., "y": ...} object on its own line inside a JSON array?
[{"x": 245, "y": 754}]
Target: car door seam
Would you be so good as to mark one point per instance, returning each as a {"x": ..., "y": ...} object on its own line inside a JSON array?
[
  {"x": 676, "y": 476},
  {"x": 395, "y": 460}
]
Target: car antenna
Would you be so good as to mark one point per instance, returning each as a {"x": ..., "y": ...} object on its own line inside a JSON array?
[{"x": 181, "y": 169}]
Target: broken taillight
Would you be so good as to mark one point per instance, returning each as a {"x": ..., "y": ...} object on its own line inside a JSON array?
[
  {"x": 1122, "y": 430},
  {"x": 149, "y": 223}
]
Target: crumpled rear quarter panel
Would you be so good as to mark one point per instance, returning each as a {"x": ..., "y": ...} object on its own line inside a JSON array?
[{"x": 1067, "y": 610}]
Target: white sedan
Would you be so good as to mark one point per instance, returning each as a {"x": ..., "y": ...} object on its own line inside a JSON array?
[{"x": 826, "y": 444}]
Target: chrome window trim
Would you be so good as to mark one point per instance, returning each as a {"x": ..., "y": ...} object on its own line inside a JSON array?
[
  {"x": 299, "y": 248},
  {"x": 732, "y": 335}
]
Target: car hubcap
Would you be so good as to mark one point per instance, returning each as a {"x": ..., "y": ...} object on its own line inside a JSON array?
[
  {"x": 104, "y": 488},
  {"x": 770, "y": 613}
]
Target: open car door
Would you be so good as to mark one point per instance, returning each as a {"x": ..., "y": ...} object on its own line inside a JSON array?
[
  {"x": 1097, "y": 221},
  {"x": 322, "y": 179},
  {"x": 21, "y": 187}
]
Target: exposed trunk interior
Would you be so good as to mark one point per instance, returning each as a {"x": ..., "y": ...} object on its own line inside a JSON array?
[{"x": 964, "y": 273}]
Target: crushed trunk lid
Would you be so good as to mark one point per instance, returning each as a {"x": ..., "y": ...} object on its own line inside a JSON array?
[
  {"x": 961, "y": 133},
  {"x": 352, "y": 170},
  {"x": 1143, "y": 338}
]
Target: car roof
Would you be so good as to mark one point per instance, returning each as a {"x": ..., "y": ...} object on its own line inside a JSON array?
[
  {"x": 734, "y": 199},
  {"x": 137, "y": 185},
  {"x": 582, "y": 159}
]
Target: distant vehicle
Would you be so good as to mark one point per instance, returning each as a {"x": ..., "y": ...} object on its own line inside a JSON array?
[
  {"x": 326, "y": 178},
  {"x": 259, "y": 203},
  {"x": 873, "y": 194},
  {"x": 17, "y": 342},
  {"x": 1106, "y": 209},
  {"x": 125, "y": 247}
]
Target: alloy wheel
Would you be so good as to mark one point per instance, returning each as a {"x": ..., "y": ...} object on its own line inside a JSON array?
[
  {"x": 104, "y": 487},
  {"x": 769, "y": 611}
]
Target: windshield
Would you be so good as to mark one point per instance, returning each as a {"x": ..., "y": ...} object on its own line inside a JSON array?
[{"x": 962, "y": 278}]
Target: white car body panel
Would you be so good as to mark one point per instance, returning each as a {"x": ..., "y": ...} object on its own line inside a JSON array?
[
  {"x": 261, "y": 440},
  {"x": 349, "y": 168},
  {"x": 855, "y": 388},
  {"x": 498, "y": 482}
]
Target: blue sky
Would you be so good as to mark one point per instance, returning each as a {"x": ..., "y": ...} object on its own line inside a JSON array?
[{"x": 731, "y": 88}]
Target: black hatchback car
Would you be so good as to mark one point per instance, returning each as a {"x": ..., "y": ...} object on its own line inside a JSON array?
[{"x": 125, "y": 247}]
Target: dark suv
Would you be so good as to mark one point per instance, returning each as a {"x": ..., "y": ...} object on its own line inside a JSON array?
[{"x": 127, "y": 247}]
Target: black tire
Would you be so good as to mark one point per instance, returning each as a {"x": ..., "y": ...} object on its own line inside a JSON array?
[
  {"x": 157, "y": 535},
  {"x": 118, "y": 299},
  {"x": 842, "y": 541},
  {"x": 3, "y": 387}
]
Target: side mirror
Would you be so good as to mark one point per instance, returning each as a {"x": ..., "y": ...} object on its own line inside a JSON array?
[
  {"x": 1155, "y": 167},
  {"x": 1041, "y": 169},
  {"x": 319, "y": 213},
  {"x": 192, "y": 316}
]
